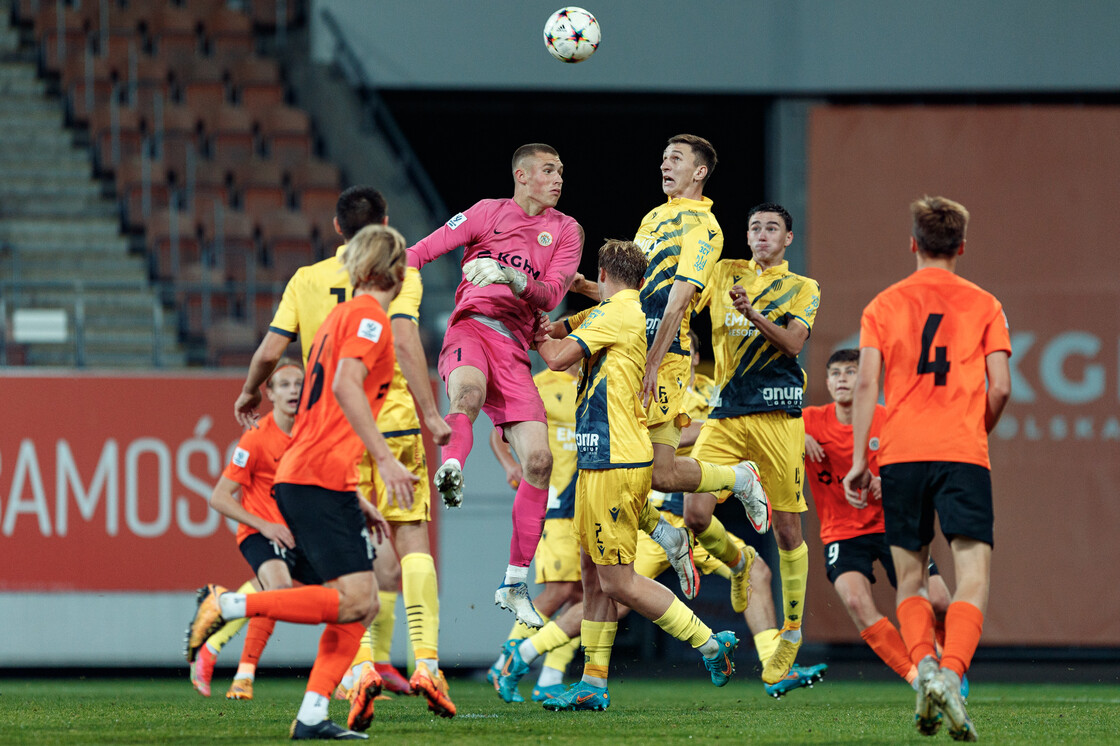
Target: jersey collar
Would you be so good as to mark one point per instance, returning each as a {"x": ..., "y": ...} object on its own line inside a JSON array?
[
  {"x": 704, "y": 203},
  {"x": 777, "y": 269}
]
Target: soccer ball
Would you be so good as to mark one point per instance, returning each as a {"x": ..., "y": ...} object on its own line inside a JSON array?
[{"x": 571, "y": 34}]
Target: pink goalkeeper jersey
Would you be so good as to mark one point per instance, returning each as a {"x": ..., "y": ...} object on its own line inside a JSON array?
[{"x": 545, "y": 247}]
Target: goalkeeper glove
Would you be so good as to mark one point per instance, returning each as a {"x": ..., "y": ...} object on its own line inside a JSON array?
[{"x": 483, "y": 272}]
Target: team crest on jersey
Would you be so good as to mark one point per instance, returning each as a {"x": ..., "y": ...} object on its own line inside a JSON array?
[
  {"x": 873, "y": 444},
  {"x": 544, "y": 238},
  {"x": 369, "y": 329},
  {"x": 240, "y": 457},
  {"x": 456, "y": 221}
]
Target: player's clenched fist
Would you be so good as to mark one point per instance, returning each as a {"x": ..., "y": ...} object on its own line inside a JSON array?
[{"x": 483, "y": 272}]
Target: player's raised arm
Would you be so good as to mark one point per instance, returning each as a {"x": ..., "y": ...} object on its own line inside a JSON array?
[
  {"x": 788, "y": 339},
  {"x": 547, "y": 292},
  {"x": 260, "y": 368},
  {"x": 456, "y": 232},
  {"x": 560, "y": 354},
  {"x": 680, "y": 297}
]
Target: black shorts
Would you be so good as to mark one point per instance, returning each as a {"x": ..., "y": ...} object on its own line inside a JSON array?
[
  {"x": 858, "y": 554},
  {"x": 257, "y": 550},
  {"x": 960, "y": 494},
  {"x": 329, "y": 528}
]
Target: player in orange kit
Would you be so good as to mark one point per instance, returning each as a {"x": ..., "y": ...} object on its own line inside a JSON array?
[
  {"x": 852, "y": 533},
  {"x": 944, "y": 344},
  {"x": 262, "y": 536},
  {"x": 350, "y": 369}
]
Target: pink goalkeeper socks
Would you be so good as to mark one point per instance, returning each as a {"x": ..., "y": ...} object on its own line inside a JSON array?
[
  {"x": 462, "y": 439},
  {"x": 529, "y": 506}
]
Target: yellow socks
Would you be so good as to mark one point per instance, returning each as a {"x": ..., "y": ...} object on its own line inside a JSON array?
[
  {"x": 520, "y": 632},
  {"x": 679, "y": 621},
  {"x": 766, "y": 642},
  {"x": 560, "y": 657},
  {"x": 365, "y": 648},
  {"x": 718, "y": 543},
  {"x": 598, "y": 639},
  {"x": 715, "y": 478},
  {"x": 795, "y": 571},
  {"x": 381, "y": 630},
  {"x": 421, "y": 603},
  {"x": 647, "y": 519},
  {"x": 230, "y": 628},
  {"x": 549, "y": 638}
]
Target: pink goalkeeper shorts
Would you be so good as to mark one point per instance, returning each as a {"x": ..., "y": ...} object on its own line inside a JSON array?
[{"x": 511, "y": 395}]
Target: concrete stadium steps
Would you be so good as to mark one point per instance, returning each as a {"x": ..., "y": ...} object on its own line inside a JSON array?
[
  {"x": 62, "y": 234},
  {"x": 36, "y": 184},
  {"x": 40, "y": 165},
  {"x": 108, "y": 300},
  {"x": 70, "y": 206},
  {"x": 56, "y": 226},
  {"x": 109, "y": 266}
]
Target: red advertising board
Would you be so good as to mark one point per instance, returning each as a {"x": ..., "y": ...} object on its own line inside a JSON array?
[
  {"x": 1041, "y": 185},
  {"x": 105, "y": 481}
]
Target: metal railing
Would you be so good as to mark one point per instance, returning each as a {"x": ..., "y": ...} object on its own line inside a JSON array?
[{"x": 238, "y": 298}]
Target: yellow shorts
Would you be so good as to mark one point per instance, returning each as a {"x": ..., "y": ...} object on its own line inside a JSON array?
[
  {"x": 557, "y": 555},
  {"x": 652, "y": 561},
  {"x": 665, "y": 416},
  {"x": 773, "y": 440},
  {"x": 608, "y": 502},
  {"x": 409, "y": 450}
]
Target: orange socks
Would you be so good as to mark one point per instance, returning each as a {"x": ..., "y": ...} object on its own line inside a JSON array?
[
  {"x": 915, "y": 622},
  {"x": 963, "y": 624},
  {"x": 887, "y": 643},
  {"x": 309, "y": 604},
  {"x": 337, "y": 646},
  {"x": 260, "y": 629}
]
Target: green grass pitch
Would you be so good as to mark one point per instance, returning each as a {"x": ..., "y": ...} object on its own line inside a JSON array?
[{"x": 165, "y": 711}]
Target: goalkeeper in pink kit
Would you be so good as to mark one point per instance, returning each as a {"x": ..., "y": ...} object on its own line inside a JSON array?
[{"x": 520, "y": 255}]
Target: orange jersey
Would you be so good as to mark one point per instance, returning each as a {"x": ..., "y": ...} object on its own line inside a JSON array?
[
  {"x": 253, "y": 466},
  {"x": 934, "y": 330},
  {"x": 325, "y": 450},
  {"x": 839, "y": 520}
]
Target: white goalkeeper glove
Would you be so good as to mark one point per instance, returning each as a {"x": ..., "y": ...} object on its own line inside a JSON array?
[{"x": 483, "y": 272}]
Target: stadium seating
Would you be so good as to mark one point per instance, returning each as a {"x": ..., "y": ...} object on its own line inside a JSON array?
[{"x": 183, "y": 112}]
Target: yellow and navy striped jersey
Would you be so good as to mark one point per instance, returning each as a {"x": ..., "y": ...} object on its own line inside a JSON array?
[
  {"x": 558, "y": 392},
  {"x": 682, "y": 241},
  {"x": 310, "y": 295},
  {"x": 398, "y": 413},
  {"x": 752, "y": 374},
  {"x": 610, "y": 419},
  {"x": 697, "y": 402}
]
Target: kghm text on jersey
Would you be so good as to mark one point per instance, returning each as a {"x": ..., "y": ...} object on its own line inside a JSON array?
[{"x": 511, "y": 260}]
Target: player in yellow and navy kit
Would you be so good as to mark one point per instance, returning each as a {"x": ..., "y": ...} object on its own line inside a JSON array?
[
  {"x": 682, "y": 242},
  {"x": 761, "y": 316},
  {"x": 310, "y": 295},
  {"x": 557, "y": 556},
  {"x": 615, "y": 461},
  {"x": 652, "y": 560}
]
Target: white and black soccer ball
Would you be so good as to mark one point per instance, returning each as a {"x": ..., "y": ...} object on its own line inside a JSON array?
[{"x": 572, "y": 34}]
